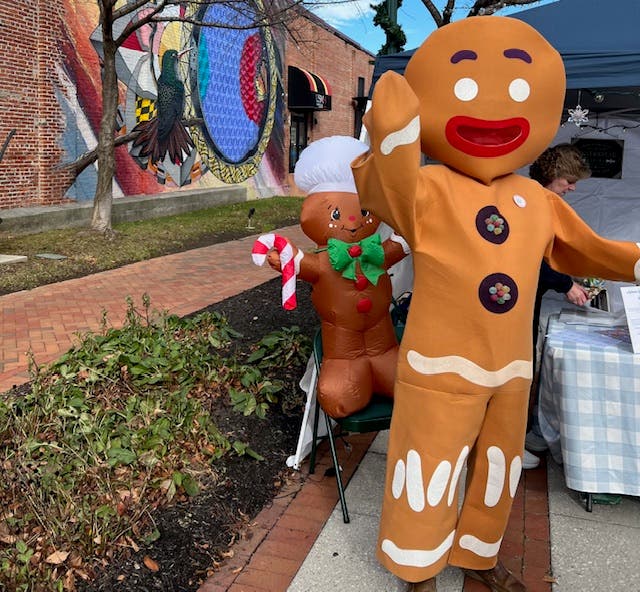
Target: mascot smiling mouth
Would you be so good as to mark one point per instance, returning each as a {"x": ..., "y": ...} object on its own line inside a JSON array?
[{"x": 486, "y": 138}]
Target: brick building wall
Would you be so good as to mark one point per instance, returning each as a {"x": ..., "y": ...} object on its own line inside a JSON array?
[
  {"x": 341, "y": 62},
  {"x": 31, "y": 117}
]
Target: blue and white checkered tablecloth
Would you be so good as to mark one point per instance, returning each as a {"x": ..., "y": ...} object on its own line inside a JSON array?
[{"x": 589, "y": 405}]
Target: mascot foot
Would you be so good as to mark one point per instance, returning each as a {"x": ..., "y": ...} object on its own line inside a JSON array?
[
  {"x": 498, "y": 579},
  {"x": 424, "y": 586}
]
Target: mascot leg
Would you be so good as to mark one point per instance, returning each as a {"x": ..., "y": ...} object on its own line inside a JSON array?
[
  {"x": 494, "y": 469},
  {"x": 432, "y": 436}
]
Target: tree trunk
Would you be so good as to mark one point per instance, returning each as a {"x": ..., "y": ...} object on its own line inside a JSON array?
[{"x": 101, "y": 219}]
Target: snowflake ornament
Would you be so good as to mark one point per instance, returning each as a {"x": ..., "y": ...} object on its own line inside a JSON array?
[{"x": 578, "y": 115}]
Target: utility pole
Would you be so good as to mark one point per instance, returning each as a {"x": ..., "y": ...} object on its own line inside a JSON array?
[{"x": 392, "y": 13}]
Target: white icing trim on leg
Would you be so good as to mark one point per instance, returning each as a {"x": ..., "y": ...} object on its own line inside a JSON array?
[
  {"x": 495, "y": 476},
  {"x": 415, "y": 484},
  {"x": 514, "y": 475},
  {"x": 479, "y": 547},
  {"x": 416, "y": 557},
  {"x": 407, "y": 135},
  {"x": 399, "y": 475},
  {"x": 470, "y": 370},
  {"x": 438, "y": 484},
  {"x": 453, "y": 487}
]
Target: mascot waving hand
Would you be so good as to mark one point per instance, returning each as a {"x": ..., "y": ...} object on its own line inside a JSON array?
[{"x": 483, "y": 96}]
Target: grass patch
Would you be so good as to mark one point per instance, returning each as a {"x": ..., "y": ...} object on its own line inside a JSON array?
[{"x": 87, "y": 252}]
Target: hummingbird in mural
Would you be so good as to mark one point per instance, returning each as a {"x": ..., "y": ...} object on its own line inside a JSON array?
[{"x": 165, "y": 132}]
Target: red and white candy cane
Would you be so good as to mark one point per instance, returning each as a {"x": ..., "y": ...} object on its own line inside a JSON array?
[{"x": 261, "y": 247}]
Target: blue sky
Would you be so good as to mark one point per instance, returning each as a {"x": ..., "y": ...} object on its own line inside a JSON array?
[{"x": 355, "y": 19}]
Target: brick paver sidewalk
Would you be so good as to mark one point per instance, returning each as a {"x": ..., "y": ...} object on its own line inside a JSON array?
[{"x": 46, "y": 319}]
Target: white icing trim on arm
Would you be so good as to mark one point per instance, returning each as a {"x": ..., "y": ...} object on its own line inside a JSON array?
[{"x": 407, "y": 135}]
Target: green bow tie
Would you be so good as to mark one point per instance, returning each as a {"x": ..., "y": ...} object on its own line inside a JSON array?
[{"x": 368, "y": 253}]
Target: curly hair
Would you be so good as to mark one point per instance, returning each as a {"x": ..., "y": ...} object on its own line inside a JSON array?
[{"x": 560, "y": 161}]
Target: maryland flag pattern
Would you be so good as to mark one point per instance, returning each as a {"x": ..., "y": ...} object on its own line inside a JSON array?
[{"x": 145, "y": 109}]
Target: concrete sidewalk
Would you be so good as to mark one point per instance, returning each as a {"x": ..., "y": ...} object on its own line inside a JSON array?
[{"x": 299, "y": 542}]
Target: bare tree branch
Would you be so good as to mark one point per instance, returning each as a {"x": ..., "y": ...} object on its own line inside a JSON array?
[
  {"x": 6, "y": 143},
  {"x": 88, "y": 158},
  {"x": 479, "y": 7},
  {"x": 447, "y": 13},
  {"x": 489, "y": 7},
  {"x": 434, "y": 12},
  {"x": 257, "y": 19}
]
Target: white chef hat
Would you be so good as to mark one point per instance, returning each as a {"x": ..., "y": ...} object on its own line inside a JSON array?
[{"x": 325, "y": 165}]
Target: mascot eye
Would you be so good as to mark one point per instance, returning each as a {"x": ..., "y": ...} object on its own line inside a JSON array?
[
  {"x": 364, "y": 213},
  {"x": 466, "y": 89},
  {"x": 335, "y": 215},
  {"x": 519, "y": 90}
]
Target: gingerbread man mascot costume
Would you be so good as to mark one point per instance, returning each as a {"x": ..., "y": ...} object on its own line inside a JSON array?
[
  {"x": 483, "y": 96},
  {"x": 351, "y": 289}
]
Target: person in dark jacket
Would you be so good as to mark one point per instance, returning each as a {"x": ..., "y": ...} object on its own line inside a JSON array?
[{"x": 558, "y": 168}]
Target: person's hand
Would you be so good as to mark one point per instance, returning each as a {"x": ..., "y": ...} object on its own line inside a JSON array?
[{"x": 577, "y": 295}]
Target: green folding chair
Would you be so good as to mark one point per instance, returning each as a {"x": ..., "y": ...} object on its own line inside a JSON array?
[{"x": 373, "y": 418}]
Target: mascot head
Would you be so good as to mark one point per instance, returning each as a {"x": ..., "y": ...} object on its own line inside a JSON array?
[{"x": 491, "y": 91}]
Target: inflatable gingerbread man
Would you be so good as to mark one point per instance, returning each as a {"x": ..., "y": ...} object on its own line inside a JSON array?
[
  {"x": 351, "y": 289},
  {"x": 483, "y": 96}
]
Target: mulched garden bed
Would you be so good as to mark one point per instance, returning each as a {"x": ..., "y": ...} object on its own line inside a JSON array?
[{"x": 196, "y": 535}]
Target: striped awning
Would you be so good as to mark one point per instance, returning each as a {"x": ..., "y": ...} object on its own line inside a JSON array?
[{"x": 307, "y": 90}]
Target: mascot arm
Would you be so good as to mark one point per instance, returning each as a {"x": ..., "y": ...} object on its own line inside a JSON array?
[
  {"x": 577, "y": 250},
  {"x": 310, "y": 268},
  {"x": 306, "y": 264},
  {"x": 387, "y": 175}
]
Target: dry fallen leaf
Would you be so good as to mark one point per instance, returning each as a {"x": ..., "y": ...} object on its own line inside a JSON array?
[
  {"x": 151, "y": 564},
  {"x": 57, "y": 557}
]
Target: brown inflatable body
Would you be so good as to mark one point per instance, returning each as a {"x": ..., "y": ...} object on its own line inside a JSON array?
[{"x": 483, "y": 96}]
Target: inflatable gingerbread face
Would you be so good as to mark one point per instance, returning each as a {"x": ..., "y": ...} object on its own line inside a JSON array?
[
  {"x": 491, "y": 92},
  {"x": 336, "y": 214}
]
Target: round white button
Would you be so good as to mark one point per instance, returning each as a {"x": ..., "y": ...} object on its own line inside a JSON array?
[{"x": 520, "y": 201}]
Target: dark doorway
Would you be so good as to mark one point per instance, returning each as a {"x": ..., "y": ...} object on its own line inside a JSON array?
[{"x": 297, "y": 137}]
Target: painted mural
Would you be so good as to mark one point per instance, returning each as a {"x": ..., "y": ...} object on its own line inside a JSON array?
[{"x": 207, "y": 102}]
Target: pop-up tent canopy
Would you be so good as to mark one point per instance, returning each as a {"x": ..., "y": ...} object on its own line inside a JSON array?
[{"x": 599, "y": 44}]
